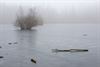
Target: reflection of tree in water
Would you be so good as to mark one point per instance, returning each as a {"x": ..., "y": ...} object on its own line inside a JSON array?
[{"x": 26, "y": 40}]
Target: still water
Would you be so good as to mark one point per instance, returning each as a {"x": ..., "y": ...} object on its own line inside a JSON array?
[{"x": 38, "y": 43}]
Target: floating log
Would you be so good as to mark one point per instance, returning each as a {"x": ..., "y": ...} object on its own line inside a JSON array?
[
  {"x": 70, "y": 50},
  {"x": 34, "y": 61}
]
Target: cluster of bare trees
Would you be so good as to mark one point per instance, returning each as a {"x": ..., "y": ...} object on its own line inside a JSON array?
[{"x": 26, "y": 22}]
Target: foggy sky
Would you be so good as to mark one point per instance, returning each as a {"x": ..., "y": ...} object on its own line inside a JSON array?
[{"x": 54, "y": 11}]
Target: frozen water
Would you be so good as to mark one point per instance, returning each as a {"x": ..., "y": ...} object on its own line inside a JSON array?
[{"x": 38, "y": 43}]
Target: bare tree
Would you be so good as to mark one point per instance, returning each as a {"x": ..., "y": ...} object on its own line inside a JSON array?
[{"x": 26, "y": 22}]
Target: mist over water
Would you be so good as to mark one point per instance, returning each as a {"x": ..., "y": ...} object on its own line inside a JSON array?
[
  {"x": 79, "y": 11},
  {"x": 68, "y": 24}
]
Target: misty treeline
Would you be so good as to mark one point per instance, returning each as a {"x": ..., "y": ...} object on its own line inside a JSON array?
[{"x": 25, "y": 21}]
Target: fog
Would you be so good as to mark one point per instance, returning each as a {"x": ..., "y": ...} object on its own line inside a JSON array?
[{"x": 53, "y": 11}]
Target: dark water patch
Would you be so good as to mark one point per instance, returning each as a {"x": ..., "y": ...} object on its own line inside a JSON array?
[
  {"x": 85, "y": 34},
  {"x": 10, "y": 43},
  {"x": 1, "y": 57},
  {"x": 0, "y": 46},
  {"x": 15, "y": 42}
]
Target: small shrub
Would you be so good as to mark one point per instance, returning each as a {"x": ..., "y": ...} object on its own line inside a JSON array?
[{"x": 26, "y": 22}]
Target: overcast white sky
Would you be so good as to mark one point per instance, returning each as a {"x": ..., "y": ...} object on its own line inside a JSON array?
[{"x": 69, "y": 11}]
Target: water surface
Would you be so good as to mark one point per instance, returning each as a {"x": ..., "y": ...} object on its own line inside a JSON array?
[{"x": 37, "y": 44}]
